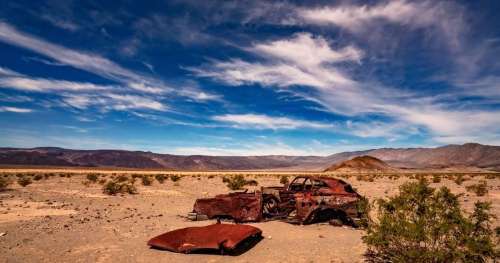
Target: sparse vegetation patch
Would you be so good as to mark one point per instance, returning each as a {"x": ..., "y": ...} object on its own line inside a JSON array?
[
  {"x": 237, "y": 182},
  {"x": 24, "y": 181},
  {"x": 4, "y": 183},
  {"x": 422, "y": 224},
  {"x": 480, "y": 189}
]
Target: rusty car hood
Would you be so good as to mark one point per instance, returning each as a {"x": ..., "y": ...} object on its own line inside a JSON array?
[{"x": 218, "y": 237}]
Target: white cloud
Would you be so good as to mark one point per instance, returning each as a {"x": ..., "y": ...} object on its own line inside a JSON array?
[
  {"x": 83, "y": 60},
  {"x": 355, "y": 17},
  {"x": 268, "y": 122},
  {"x": 305, "y": 50},
  {"x": 443, "y": 16},
  {"x": 61, "y": 23},
  {"x": 290, "y": 62},
  {"x": 15, "y": 109},
  {"x": 112, "y": 101},
  {"x": 286, "y": 64},
  {"x": 8, "y": 72},
  {"x": 47, "y": 85}
]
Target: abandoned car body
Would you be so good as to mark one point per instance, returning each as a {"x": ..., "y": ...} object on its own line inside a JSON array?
[{"x": 307, "y": 199}]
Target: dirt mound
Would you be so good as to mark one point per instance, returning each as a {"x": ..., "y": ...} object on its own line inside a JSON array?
[{"x": 361, "y": 164}]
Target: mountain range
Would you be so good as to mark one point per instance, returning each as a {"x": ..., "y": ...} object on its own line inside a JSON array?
[{"x": 469, "y": 155}]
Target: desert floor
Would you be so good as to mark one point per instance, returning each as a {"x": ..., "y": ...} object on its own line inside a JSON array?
[{"x": 61, "y": 220}]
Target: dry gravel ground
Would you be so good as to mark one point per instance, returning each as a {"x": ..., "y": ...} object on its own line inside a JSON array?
[{"x": 60, "y": 220}]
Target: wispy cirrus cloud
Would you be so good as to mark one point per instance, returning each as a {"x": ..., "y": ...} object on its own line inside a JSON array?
[
  {"x": 82, "y": 60},
  {"x": 285, "y": 64},
  {"x": 14, "y": 109},
  {"x": 133, "y": 90},
  {"x": 47, "y": 85},
  {"x": 82, "y": 95},
  {"x": 259, "y": 121},
  {"x": 444, "y": 17}
]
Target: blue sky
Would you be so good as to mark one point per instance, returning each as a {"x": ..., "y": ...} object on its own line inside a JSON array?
[{"x": 255, "y": 78}]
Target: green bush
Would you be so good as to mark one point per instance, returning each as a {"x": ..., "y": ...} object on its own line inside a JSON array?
[
  {"x": 113, "y": 188},
  {"x": 237, "y": 182},
  {"x": 175, "y": 178},
  {"x": 122, "y": 178},
  {"x": 424, "y": 225},
  {"x": 436, "y": 178},
  {"x": 92, "y": 177},
  {"x": 38, "y": 177},
  {"x": 459, "y": 179},
  {"x": 4, "y": 183},
  {"x": 479, "y": 189},
  {"x": 146, "y": 180},
  {"x": 160, "y": 178},
  {"x": 284, "y": 180},
  {"x": 24, "y": 181}
]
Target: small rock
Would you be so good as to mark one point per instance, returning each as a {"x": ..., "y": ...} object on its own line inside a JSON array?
[
  {"x": 269, "y": 237},
  {"x": 3, "y": 234}
]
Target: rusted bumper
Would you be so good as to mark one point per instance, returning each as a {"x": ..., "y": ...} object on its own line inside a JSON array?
[
  {"x": 224, "y": 238},
  {"x": 242, "y": 207}
]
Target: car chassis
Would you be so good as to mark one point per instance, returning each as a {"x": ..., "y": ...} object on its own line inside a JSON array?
[{"x": 306, "y": 200}]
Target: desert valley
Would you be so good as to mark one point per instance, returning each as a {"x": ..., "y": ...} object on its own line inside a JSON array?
[{"x": 64, "y": 214}]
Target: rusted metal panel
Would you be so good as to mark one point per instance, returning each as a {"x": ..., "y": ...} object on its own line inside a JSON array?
[
  {"x": 242, "y": 207},
  {"x": 225, "y": 238}
]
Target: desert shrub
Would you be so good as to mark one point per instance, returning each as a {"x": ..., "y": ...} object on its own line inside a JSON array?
[
  {"x": 459, "y": 179},
  {"x": 4, "y": 183},
  {"x": 480, "y": 189},
  {"x": 491, "y": 176},
  {"x": 211, "y": 176},
  {"x": 38, "y": 177},
  {"x": 121, "y": 178},
  {"x": 146, "y": 180},
  {"x": 424, "y": 225},
  {"x": 363, "y": 206},
  {"x": 436, "y": 178},
  {"x": 102, "y": 181},
  {"x": 284, "y": 180},
  {"x": 252, "y": 182},
  {"x": 160, "y": 178},
  {"x": 237, "y": 182},
  {"x": 24, "y": 181},
  {"x": 92, "y": 178},
  {"x": 175, "y": 178},
  {"x": 113, "y": 188}
]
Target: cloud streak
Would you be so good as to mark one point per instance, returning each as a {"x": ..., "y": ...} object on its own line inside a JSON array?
[
  {"x": 305, "y": 60},
  {"x": 15, "y": 109},
  {"x": 82, "y": 60},
  {"x": 259, "y": 121}
]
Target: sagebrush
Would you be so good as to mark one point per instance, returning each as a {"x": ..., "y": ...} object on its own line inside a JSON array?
[{"x": 422, "y": 224}]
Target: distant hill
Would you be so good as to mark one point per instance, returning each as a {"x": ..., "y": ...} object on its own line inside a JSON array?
[
  {"x": 361, "y": 164},
  {"x": 471, "y": 155}
]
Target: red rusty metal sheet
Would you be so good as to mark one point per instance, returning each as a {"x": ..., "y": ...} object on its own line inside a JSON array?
[
  {"x": 223, "y": 237},
  {"x": 242, "y": 207}
]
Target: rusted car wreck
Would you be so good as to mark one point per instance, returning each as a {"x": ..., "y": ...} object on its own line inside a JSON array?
[{"x": 306, "y": 200}]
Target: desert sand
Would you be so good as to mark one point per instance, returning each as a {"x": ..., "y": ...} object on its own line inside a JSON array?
[{"x": 61, "y": 220}]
